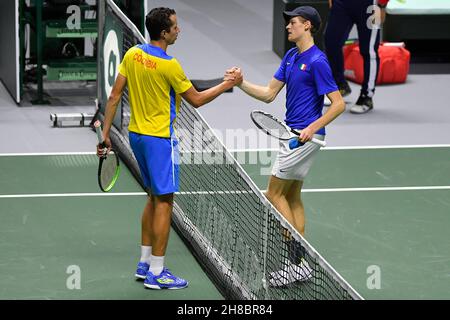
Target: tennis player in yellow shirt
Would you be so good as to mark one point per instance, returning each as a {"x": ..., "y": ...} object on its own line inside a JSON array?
[{"x": 156, "y": 82}]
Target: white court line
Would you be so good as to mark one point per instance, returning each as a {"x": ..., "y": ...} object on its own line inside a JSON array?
[
  {"x": 332, "y": 190},
  {"x": 64, "y": 195},
  {"x": 244, "y": 150},
  {"x": 354, "y": 148},
  {"x": 46, "y": 154},
  {"x": 120, "y": 194},
  {"x": 378, "y": 189}
]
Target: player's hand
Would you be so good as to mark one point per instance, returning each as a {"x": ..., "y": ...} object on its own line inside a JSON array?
[
  {"x": 239, "y": 77},
  {"x": 306, "y": 135},
  {"x": 102, "y": 151},
  {"x": 230, "y": 74},
  {"x": 234, "y": 75},
  {"x": 231, "y": 70}
]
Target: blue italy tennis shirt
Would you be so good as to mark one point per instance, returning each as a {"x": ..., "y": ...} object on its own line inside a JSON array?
[{"x": 308, "y": 77}]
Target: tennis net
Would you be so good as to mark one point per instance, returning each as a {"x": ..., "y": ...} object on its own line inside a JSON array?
[{"x": 240, "y": 238}]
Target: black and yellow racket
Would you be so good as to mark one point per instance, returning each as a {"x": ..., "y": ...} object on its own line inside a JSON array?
[
  {"x": 277, "y": 129},
  {"x": 109, "y": 165}
]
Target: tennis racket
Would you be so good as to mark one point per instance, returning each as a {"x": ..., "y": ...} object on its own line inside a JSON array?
[
  {"x": 277, "y": 129},
  {"x": 109, "y": 165}
]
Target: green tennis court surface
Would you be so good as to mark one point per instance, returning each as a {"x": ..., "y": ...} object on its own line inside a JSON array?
[
  {"x": 388, "y": 208},
  {"x": 383, "y": 208},
  {"x": 57, "y": 219}
]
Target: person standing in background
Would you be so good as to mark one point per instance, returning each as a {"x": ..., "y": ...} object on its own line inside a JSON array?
[{"x": 368, "y": 15}]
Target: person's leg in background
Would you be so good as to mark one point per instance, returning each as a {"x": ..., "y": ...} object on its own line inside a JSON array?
[
  {"x": 340, "y": 23},
  {"x": 369, "y": 41}
]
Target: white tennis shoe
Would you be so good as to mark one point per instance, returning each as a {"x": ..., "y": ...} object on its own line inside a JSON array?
[{"x": 290, "y": 273}]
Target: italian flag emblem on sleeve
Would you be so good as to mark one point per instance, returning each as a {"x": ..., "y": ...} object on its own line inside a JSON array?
[{"x": 303, "y": 67}]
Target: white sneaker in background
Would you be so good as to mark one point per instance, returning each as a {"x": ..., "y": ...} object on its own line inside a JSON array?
[
  {"x": 301, "y": 272},
  {"x": 363, "y": 105},
  {"x": 290, "y": 273},
  {"x": 281, "y": 277}
]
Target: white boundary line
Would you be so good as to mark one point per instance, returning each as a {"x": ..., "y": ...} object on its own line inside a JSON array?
[
  {"x": 46, "y": 154},
  {"x": 355, "y": 148},
  {"x": 241, "y": 150},
  {"x": 415, "y": 188},
  {"x": 64, "y": 195},
  {"x": 121, "y": 194},
  {"x": 418, "y": 188}
]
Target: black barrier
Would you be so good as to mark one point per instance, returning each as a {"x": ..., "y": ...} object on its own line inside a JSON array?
[{"x": 9, "y": 55}]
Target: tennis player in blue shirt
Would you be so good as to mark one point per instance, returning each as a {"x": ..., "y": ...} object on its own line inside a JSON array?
[{"x": 307, "y": 75}]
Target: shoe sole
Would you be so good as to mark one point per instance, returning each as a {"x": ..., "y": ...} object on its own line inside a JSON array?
[
  {"x": 140, "y": 277},
  {"x": 305, "y": 278},
  {"x": 356, "y": 112},
  {"x": 275, "y": 284},
  {"x": 156, "y": 287},
  {"x": 281, "y": 285}
]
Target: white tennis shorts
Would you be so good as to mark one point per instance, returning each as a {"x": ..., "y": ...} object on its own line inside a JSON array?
[{"x": 295, "y": 164}]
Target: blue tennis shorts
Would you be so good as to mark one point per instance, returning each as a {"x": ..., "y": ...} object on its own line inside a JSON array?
[{"x": 158, "y": 160}]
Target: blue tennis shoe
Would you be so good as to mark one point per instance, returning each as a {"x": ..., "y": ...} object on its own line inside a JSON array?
[
  {"x": 142, "y": 269},
  {"x": 165, "y": 280}
]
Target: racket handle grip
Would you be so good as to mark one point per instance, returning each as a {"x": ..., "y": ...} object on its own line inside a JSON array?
[
  {"x": 295, "y": 143},
  {"x": 98, "y": 130},
  {"x": 319, "y": 142}
]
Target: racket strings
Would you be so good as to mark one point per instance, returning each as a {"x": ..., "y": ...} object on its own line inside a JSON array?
[
  {"x": 108, "y": 171},
  {"x": 272, "y": 126}
]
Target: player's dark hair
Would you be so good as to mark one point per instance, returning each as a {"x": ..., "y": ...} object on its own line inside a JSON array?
[
  {"x": 157, "y": 21},
  {"x": 313, "y": 29}
]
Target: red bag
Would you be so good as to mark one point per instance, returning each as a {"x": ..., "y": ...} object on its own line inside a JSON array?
[{"x": 394, "y": 63}]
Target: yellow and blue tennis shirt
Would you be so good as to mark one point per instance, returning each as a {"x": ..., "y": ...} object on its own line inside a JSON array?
[{"x": 155, "y": 81}]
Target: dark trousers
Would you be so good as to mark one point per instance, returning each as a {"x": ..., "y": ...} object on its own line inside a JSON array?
[{"x": 343, "y": 15}]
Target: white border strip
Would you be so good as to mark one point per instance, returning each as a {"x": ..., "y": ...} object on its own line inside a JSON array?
[
  {"x": 418, "y": 188},
  {"x": 122, "y": 194},
  {"x": 415, "y": 188},
  {"x": 418, "y": 146},
  {"x": 46, "y": 154},
  {"x": 66, "y": 195},
  {"x": 239, "y": 150}
]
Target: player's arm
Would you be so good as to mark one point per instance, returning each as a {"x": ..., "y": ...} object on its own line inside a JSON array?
[
  {"x": 263, "y": 93},
  {"x": 198, "y": 99},
  {"x": 336, "y": 108},
  {"x": 111, "y": 106}
]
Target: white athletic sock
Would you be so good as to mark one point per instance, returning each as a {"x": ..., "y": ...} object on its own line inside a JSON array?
[
  {"x": 146, "y": 251},
  {"x": 156, "y": 264}
]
